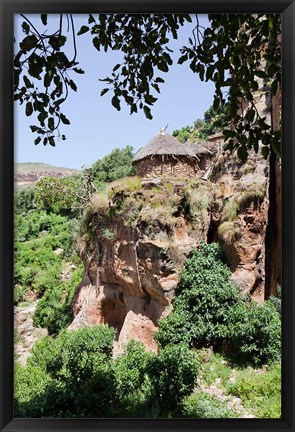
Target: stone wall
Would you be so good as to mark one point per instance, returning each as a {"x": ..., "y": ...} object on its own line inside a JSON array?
[{"x": 171, "y": 166}]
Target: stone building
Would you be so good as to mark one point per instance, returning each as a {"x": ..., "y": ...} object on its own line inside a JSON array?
[{"x": 165, "y": 156}]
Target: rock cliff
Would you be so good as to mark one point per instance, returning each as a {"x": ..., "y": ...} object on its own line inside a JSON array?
[{"x": 136, "y": 240}]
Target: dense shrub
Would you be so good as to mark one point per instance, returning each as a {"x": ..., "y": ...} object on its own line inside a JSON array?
[
  {"x": 203, "y": 303},
  {"x": 204, "y": 405},
  {"x": 78, "y": 367},
  {"x": 277, "y": 300},
  {"x": 255, "y": 331},
  {"x": 32, "y": 390},
  {"x": 173, "y": 374},
  {"x": 114, "y": 166},
  {"x": 79, "y": 378},
  {"x": 209, "y": 310},
  {"x": 134, "y": 390}
]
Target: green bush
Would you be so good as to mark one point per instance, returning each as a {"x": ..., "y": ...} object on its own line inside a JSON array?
[
  {"x": 277, "y": 300},
  {"x": 24, "y": 199},
  {"x": 80, "y": 378},
  {"x": 114, "y": 166},
  {"x": 134, "y": 390},
  {"x": 255, "y": 331},
  {"x": 78, "y": 364},
  {"x": 203, "y": 303},
  {"x": 173, "y": 373},
  {"x": 209, "y": 310},
  {"x": 32, "y": 389}
]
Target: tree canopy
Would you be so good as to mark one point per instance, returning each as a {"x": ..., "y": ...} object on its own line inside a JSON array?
[{"x": 237, "y": 52}]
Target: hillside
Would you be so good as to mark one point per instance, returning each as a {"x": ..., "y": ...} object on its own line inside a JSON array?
[{"x": 27, "y": 173}]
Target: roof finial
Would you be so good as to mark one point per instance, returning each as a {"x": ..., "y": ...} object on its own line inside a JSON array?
[{"x": 163, "y": 130}]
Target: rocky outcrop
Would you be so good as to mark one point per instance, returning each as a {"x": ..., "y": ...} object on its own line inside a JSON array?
[
  {"x": 240, "y": 219},
  {"x": 133, "y": 261},
  {"x": 142, "y": 235}
]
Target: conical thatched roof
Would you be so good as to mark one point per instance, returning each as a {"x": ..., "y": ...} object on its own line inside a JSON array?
[{"x": 165, "y": 144}]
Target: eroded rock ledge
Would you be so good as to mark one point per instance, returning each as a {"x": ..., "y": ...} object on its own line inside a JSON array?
[{"x": 139, "y": 237}]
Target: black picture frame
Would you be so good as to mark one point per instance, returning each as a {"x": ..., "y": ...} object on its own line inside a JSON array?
[{"x": 8, "y": 9}]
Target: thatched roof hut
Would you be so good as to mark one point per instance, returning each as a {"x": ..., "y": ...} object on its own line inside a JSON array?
[{"x": 165, "y": 155}]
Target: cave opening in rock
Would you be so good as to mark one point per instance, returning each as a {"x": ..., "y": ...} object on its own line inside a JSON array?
[{"x": 113, "y": 313}]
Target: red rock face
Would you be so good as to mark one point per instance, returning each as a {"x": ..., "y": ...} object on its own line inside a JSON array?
[{"x": 130, "y": 280}]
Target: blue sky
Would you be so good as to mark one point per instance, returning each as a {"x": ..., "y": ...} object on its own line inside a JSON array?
[{"x": 96, "y": 127}]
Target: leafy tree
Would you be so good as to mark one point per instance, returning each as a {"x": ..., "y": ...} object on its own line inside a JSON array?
[
  {"x": 203, "y": 303},
  {"x": 57, "y": 195},
  {"x": 115, "y": 165},
  {"x": 234, "y": 52},
  {"x": 209, "y": 310}
]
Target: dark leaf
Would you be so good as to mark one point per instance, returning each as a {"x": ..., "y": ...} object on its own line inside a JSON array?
[
  {"x": 29, "y": 109},
  {"x": 26, "y": 27},
  {"x": 116, "y": 103},
  {"x": 52, "y": 141},
  {"x": 147, "y": 112},
  {"x": 57, "y": 42},
  {"x": 27, "y": 82},
  {"x": 51, "y": 123},
  {"x": 182, "y": 59},
  {"x": 59, "y": 101},
  {"x": 96, "y": 43},
  {"x": 64, "y": 119},
  {"x": 83, "y": 29},
  {"x": 163, "y": 66},
  {"x": 37, "y": 140},
  {"x": 91, "y": 19},
  {"x": 242, "y": 153},
  {"x": 133, "y": 108},
  {"x": 28, "y": 43},
  {"x": 265, "y": 152},
  {"x": 72, "y": 85},
  {"x": 48, "y": 78},
  {"x": 116, "y": 67},
  {"x": 78, "y": 70},
  {"x": 104, "y": 91},
  {"x": 33, "y": 128},
  {"x": 44, "y": 19}
]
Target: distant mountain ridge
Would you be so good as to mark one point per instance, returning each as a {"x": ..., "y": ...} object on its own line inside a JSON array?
[{"x": 28, "y": 173}]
